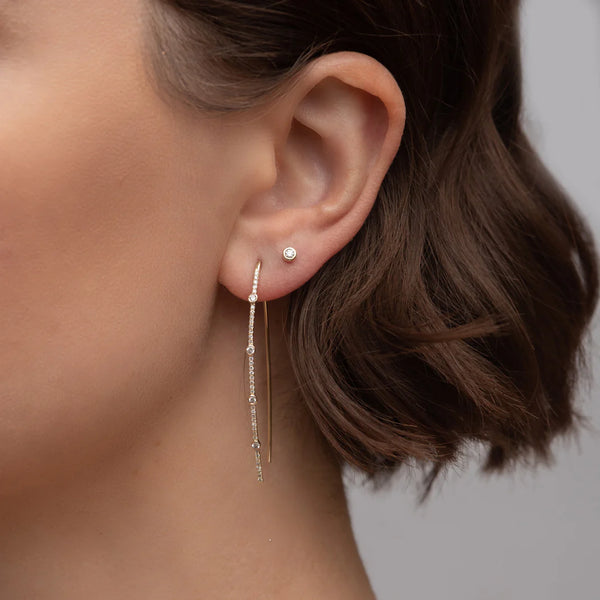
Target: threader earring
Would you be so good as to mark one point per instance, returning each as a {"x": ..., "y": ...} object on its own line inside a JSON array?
[{"x": 289, "y": 254}]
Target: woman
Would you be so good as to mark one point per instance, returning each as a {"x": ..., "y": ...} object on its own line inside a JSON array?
[{"x": 168, "y": 166}]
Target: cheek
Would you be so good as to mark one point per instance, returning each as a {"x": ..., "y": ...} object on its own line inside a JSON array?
[{"x": 104, "y": 272}]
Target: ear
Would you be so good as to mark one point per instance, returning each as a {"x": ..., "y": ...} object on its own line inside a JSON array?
[{"x": 332, "y": 138}]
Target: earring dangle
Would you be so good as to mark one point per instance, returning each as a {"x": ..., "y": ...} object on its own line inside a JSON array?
[
  {"x": 289, "y": 254},
  {"x": 250, "y": 351}
]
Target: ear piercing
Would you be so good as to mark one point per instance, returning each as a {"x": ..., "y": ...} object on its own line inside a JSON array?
[{"x": 289, "y": 254}]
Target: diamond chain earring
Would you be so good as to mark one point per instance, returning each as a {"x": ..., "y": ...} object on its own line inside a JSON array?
[
  {"x": 250, "y": 349},
  {"x": 288, "y": 254}
]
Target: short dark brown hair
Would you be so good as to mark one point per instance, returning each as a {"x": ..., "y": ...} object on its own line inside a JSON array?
[{"x": 459, "y": 310}]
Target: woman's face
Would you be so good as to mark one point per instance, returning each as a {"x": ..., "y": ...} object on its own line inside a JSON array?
[{"x": 110, "y": 235}]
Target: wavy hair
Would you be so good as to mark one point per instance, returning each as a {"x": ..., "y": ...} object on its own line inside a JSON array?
[{"x": 458, "y": 312}]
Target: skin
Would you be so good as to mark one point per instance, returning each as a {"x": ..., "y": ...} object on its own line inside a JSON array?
[{"x": 129, "y": 231}]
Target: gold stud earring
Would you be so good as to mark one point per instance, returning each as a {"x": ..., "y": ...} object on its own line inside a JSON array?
[{"x": 289, "y": 254}]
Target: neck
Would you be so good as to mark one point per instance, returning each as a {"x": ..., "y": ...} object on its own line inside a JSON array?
[{"x": 177, "y": 511}]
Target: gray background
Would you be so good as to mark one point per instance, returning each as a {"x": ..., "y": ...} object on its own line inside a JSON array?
[{"x": 534, "y": 534}]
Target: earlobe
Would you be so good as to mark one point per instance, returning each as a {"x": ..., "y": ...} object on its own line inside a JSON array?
[{"x": 334, "y": 137}]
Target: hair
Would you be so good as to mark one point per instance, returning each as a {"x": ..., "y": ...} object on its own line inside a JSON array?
[{"x": 458, "y": 313}]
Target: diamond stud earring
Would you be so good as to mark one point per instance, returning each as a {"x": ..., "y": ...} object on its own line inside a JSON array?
[{"x": 289, "y": 254}]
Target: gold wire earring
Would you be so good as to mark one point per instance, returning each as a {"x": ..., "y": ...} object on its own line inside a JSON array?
[
  {"x": 289, "y": 254},
  {"x": 250, "y": 351}
]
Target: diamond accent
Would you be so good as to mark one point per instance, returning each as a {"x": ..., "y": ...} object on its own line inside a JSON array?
[
  {"x": 289, "y": 253},
  {"x": 250, "y": 350}
]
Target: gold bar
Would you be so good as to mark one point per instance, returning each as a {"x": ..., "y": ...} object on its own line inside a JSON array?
[{"x": 268, "y": 361}]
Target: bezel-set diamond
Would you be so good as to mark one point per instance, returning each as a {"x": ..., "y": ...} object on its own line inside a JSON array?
[{"x": 289, "y": 254}]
